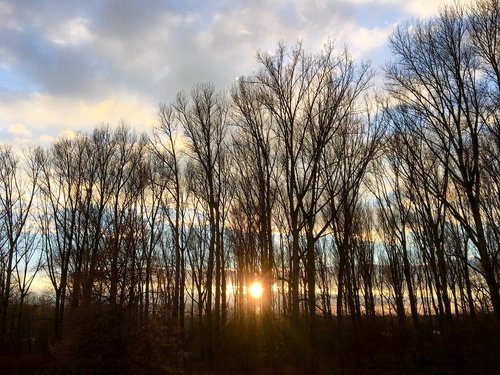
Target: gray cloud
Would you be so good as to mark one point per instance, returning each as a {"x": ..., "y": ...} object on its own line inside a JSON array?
[
  {"x": 146, "y": 47},
  {"x": 93, "y": 50}
]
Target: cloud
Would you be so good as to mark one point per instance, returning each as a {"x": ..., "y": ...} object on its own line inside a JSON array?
[
  {"x": 73, "y": 64},
  {"x": 43, "y": 117},
  {"x": 429, "y": 8},
  {"x": 67, "y": 133},
  {"x": 72, "y": 32},
  {"x": 363, "y": 39},
  {"x": 18, "y": 130}
]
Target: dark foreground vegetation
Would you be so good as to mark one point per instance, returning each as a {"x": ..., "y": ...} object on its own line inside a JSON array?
[
  {"x": 101, "y": 341},
  {"x": 297, "y": 223}
]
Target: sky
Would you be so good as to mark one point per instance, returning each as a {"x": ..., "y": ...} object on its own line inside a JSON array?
[{"x": 68, "y": 66}]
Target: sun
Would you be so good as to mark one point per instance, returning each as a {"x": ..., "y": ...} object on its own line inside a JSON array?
[{"x": 255, "y": 290}]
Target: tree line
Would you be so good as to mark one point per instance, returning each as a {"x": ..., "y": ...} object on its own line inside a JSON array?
[{"x": 343, "y": 203}]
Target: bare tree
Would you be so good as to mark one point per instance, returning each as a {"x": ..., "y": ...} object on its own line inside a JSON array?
[
  {"x": 394, "y": 211},
  {"x": 434, "y": 77},
  {"x": 170, "y": 174},
  {"x": 308, "y": 98},
  {"x": 18, "y": 185},
  {"x": 255, "y": 160},
  {"x": 204, "y": 120},
  {"x": 347, "y": 162},
  {"x": 61, "y": 186}
]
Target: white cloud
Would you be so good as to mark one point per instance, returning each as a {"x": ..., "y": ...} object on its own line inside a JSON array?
[
  {"x": 72, "y": 32},
  {"x": 18, "y": 130},
  {"x": 67, "y": 133},
  {"x": 429, "y": 8},
  {"x": 362, "y": 40},
  {"x": 37, "y": 117}
]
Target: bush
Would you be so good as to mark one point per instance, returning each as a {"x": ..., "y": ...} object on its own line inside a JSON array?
[{"x": 102, "y": 340}]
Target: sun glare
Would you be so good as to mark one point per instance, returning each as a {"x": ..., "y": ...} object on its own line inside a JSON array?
[{"x": 255, "y": 290}]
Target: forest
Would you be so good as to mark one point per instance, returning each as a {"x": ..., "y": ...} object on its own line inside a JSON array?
[{"x": 315, "y": 217}]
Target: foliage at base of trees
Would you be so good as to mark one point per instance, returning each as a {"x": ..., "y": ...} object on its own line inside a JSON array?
[{"x": 103, "y": 340}]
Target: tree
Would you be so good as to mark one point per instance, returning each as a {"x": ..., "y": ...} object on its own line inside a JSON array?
[
  {"x": 171, "y": 178},
  {"x": 309, "y": 98},
  {"x": 394, "y": 212},
  {"x": 346, "y": 165},
  {"x": 18, "y": 186},
  {"x": 61, "y": 187},
  {"x": 434, "y": 78},
  {"x": 255, "y": 159},
  {"x": 203, "y": 117}
]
